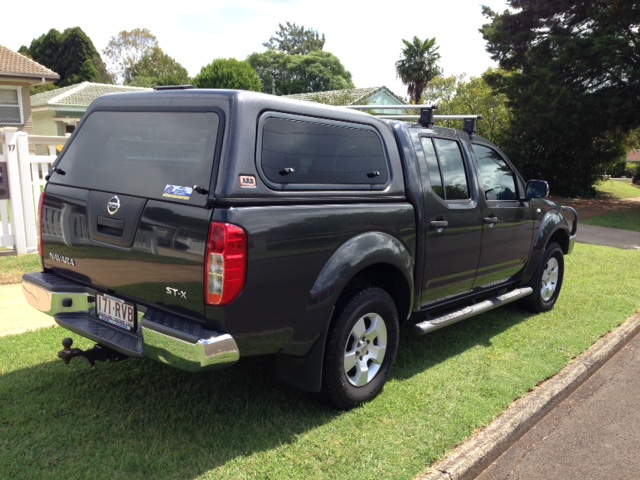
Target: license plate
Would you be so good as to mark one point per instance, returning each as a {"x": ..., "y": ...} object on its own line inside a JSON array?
[{"x": 116, "y": 311}]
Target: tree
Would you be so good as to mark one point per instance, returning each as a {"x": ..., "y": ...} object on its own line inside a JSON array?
[
  {"x": 71, "y": 54},
  {"x": 228, "y": 73},
  {"x": 294, "y": 40},
  {"x": 80, "y": 61},
  {"x": 284, "y": 74},
  {"x": 441, "y": 90},
  {"x": 156, "y": 68},
  {"x": 126, "y": 49},
  {"x": 573, "y": 85},
  {"x": 418, "y": 66},
  {"x": 457, "y": 96}
]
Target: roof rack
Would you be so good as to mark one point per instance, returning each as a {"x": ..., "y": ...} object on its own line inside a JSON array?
[{"x": 426, "y": 117}]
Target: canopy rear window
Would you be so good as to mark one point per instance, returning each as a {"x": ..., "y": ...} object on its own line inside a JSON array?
[{"x": 149, "y": 154}]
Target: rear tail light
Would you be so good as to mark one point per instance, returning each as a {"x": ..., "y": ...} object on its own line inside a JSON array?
[{"x": 226, "y": 263}]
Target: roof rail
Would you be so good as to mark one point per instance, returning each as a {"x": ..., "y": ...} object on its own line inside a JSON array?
[
  {"x": 173, "y": 87},
  {"x": 426, "y": 117}
]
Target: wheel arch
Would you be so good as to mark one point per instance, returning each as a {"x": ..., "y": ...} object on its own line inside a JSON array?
[
  {"x": 553, "y": 228},
  {"x": 369, "y": 259}
]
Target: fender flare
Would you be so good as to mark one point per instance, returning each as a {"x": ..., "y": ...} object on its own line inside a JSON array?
[
  {"x": 551, "y": 223},
  {"x": 352, "y": 257}
]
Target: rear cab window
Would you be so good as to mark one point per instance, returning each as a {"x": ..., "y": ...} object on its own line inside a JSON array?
[
  {"x": 156, "y": 155},
  {"x": 298, "y": 153}
]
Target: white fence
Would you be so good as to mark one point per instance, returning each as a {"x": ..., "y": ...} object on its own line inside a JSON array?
[{"x": 22, "y": 177}]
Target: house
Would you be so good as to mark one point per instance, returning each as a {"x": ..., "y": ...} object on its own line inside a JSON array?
[
  {"x": 355, "y": 96},
  {"x": 57, "y": 112},
  {"x": 17, "y": 74},
  {"x": 633, "y": 157}
]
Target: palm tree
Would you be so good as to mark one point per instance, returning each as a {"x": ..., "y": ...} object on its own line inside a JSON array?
[{"x": 417, "y": 67}]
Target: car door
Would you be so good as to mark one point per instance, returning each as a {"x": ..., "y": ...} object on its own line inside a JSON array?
[
  {"x": 507, "y": 230},
  {"x": 453, "y": 220}
]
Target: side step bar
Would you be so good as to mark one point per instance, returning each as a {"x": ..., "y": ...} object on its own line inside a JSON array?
[{"x": 471, "y": 311}]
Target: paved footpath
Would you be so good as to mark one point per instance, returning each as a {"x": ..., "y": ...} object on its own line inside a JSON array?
[{"x": 16, "y": 315}]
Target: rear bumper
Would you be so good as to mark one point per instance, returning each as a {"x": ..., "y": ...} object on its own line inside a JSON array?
[{"x": 162, "y": 337}]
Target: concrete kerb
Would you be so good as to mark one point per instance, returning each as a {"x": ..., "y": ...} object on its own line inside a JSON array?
[{"x": 473, "y": 456}]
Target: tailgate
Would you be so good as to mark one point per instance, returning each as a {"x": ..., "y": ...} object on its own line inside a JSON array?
[
  {"x": 149, "y": 251},
  {"x": 121, "y": 213}
]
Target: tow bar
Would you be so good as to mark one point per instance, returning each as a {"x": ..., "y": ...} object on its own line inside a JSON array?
[{"x": 99, "y": 353}]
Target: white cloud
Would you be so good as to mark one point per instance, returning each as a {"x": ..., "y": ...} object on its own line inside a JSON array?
[{"x": 366, "y": 36}]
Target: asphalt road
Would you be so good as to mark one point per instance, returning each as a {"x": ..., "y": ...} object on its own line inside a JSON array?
[
  {"x": 593, "y": 434},
  {"x": 611, "y": 237}
]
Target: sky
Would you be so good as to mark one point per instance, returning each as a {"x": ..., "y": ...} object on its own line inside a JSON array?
[{"x": 365, "y": 35}]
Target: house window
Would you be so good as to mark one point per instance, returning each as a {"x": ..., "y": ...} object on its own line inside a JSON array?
[{"x": 11, "y": 106}]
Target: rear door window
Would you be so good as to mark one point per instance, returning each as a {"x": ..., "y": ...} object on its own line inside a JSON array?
[
  {"x": 446, "y": 168},
  {"x": 159, "y": 155},
  {"x": 301, "y": 154}
]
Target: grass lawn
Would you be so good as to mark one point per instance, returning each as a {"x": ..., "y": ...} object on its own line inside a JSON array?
[
  {"x": 615, "y": 190},
  {"x": 627, "y": 219},
  {"x": 12, "y": 267},
  {"x": 141, "y": 420}
]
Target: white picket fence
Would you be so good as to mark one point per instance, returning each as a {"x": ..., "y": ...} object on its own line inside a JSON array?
[{"x": 22, "y": 176}]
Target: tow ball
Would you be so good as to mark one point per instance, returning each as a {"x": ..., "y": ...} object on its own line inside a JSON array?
[{"x": 99, "y": 353}]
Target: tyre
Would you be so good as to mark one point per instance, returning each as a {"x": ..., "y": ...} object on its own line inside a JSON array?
[
  {"x": 547, "y": 280},
  {"x": 361, "y": 348}
]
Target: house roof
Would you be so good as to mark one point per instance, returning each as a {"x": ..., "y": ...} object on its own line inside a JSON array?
[
  {"x": 634, "y": 156},
  {"x": 79, "y": 95},
  {"x": 13, "y": 64},
  {"x": 353, "y": 96}
]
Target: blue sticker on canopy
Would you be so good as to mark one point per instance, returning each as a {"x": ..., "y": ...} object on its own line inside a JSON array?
[{"x": 176, "y": 191}]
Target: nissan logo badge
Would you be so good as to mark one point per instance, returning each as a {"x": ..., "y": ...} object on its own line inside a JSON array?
[{"x": 113, "y": 205}]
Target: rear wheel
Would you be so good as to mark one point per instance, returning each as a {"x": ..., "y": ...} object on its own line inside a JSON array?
[
  {"x": 547, "y": 281},
  {"x": 361, "y": 348}
]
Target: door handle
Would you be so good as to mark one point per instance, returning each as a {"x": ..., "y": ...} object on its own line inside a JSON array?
[
  {"x": 439, "y": 223},
  {"x": 491, "y": 220}
]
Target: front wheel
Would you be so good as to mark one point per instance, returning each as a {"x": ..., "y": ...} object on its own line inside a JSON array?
[
  {"x": 361, "y": 348},
  {"x": 547, "y": 281}
]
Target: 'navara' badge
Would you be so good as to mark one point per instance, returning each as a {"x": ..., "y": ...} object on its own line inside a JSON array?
[{"x": 113, "y": 205}]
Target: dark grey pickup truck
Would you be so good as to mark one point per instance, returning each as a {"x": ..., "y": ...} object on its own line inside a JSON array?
[{"x": 193, "y": 227}]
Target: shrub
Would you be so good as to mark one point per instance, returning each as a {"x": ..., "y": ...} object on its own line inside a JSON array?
[{"x": 228, "y": 73}]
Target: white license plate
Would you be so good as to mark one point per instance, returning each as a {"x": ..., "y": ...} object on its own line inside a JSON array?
[{"x": 116, "y": 311}]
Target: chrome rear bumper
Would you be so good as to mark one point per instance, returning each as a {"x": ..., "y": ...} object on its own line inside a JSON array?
[{"x": 72, "y": 306}]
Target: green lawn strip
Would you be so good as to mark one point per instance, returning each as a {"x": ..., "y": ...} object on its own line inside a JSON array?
[
  {"x": 12, "y": 267},
  {"x": 137, "y": 419},
  {"x": 627, "y": 220},
  {"x": 614, "y": 189}
]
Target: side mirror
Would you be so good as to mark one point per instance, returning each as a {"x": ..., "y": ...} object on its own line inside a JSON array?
[{"x": 537, "y": 189}]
